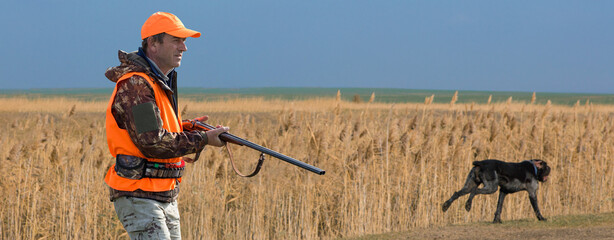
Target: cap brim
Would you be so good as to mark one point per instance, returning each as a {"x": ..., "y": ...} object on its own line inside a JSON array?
[{"x": 184, "y": 33}]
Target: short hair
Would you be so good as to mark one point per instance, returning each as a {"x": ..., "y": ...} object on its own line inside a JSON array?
[{"x": 156, "y": 38}]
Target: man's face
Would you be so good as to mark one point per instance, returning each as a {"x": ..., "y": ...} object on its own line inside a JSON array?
[{"x": 167, "y": 54}]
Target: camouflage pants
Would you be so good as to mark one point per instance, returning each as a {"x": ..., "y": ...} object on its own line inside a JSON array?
[{"x": 148, "y": 219}]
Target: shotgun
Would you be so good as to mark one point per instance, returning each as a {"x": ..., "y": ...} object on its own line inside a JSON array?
[{"x": 227, "y": 137}]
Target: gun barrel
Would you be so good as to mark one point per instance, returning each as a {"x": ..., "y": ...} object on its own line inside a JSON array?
[{"x": 234, "y": 139}]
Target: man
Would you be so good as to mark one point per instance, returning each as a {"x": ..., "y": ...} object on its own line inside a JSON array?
[{"x": 145, "y": 132}]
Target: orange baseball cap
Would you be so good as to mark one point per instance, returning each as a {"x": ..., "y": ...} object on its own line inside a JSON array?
[{"x": 162, "y": 22}]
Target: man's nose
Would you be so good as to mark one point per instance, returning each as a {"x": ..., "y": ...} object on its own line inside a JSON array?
[{"x": 183, "y": 47}]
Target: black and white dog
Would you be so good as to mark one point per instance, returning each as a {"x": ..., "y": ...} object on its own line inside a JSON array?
[{"x": 511, "y": 177}]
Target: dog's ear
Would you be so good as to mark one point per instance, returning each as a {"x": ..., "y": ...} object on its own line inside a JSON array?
[{"x": 539, "y": 163}]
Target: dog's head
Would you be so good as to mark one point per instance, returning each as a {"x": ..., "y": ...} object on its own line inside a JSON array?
[{"x": 543, "y": 170}]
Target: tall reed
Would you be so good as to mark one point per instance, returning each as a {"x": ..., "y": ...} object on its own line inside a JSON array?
[{"x": 389, "y": 167}]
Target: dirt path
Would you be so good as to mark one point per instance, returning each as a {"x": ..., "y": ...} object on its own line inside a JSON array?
[
  {"x": 495, "y": 232},
  {"x": 600, "y": 226}
]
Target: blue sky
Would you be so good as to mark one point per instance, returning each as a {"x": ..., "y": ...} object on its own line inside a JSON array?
[{"x": 543, "y": 46}]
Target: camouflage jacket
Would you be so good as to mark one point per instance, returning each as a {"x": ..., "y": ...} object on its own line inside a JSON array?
[{"x": 156, "y": 143}]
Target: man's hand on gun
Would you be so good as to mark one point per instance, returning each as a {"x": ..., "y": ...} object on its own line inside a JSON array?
[{"x": 213, "y": 136}]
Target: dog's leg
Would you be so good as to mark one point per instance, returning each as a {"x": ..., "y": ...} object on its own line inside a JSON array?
[
  {"x": 533, "y": 199},
  {"x": 470, "y": 199},
  {"x": 470, "y": 186},
  {"x": 491, "y": 184},
  {"x": 499, "y": 207}
]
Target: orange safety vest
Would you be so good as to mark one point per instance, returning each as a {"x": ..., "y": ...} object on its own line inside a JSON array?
[{"x": 120, "y": 143}]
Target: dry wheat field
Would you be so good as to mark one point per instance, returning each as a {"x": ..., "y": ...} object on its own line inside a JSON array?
[{"x": 388, "y": 166}]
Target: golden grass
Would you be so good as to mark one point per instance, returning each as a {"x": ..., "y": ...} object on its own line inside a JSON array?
[{"x": 389, "y": 167}]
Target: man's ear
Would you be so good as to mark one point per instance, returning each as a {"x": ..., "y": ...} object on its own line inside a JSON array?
[{"x": 152, "y": 46}]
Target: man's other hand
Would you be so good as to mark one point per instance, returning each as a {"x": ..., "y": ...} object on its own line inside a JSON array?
[{"x": 213, "y": 136}]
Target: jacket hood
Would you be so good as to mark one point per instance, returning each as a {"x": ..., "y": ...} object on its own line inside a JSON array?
[{"x": 129, "y": 62}]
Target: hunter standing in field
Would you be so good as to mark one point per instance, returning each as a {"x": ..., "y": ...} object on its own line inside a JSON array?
[{"x": 145, "y": 132}]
